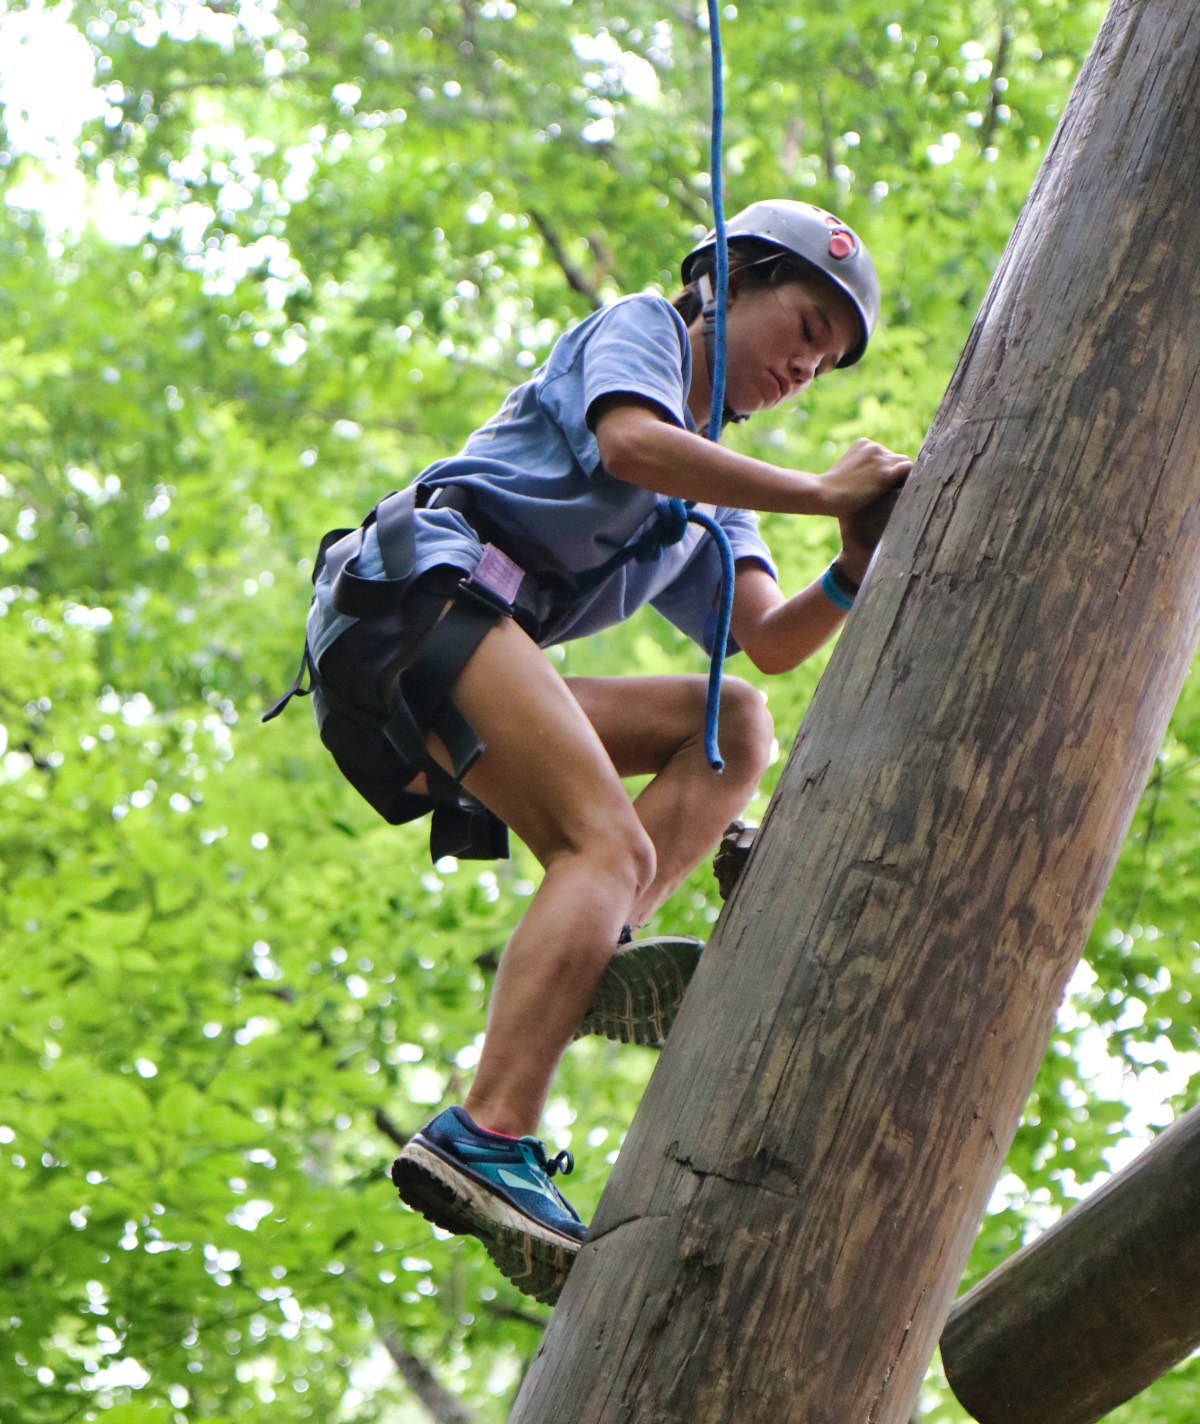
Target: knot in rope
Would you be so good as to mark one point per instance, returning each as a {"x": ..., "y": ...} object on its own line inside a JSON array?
[{"x": 672, "y": 521}]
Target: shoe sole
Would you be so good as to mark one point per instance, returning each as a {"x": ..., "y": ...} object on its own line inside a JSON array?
[
  {"x": 641, "y": 991},
  {"x": 532, "y": 1256}
]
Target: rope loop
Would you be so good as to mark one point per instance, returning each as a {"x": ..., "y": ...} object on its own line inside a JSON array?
[{"x": 712, "y": 705}]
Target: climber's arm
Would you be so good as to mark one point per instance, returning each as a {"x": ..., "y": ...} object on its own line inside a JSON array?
[
  {"x": 638, "y": 445},
  {"x": 778, "y": 633}
]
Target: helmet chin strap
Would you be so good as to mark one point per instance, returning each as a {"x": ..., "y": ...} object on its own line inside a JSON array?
[{"x": 708, "y": 300}]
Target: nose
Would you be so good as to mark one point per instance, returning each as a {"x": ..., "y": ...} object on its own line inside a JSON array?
[{"x": 802, "y": 369}]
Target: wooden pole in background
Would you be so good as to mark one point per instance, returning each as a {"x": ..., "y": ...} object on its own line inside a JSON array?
[
  {"x": 1096, "y": 1308},
  {"x": 791, "y": 1212}
]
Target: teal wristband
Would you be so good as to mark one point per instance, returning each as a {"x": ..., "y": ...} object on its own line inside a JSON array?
[{"x": 837, "y": 588}]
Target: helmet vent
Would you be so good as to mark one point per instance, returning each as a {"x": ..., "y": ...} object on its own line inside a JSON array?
[{"x": 842, "y": 244}]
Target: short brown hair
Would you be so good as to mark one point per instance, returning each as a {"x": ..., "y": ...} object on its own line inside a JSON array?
[{"x": 753, "y": 263}]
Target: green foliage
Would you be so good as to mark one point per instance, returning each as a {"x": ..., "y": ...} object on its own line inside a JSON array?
[{"x": 319, "y": 244}]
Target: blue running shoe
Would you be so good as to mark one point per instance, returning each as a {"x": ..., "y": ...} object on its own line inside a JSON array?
[
  {"x": 637, "y": 999},
  {"x": 474, "y": 1182}
]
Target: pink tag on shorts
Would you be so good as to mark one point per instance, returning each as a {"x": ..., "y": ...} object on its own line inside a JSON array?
[{"x": 497, "y": 572}]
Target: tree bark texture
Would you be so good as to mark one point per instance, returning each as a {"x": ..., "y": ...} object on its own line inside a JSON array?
[
  {"x": 1096, "y": 1308},
  {"x": 792, "y": 1209}
]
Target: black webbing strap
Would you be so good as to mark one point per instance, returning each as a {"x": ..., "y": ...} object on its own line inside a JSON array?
[
  {"x": 297, "y": 688},
  {"x": 668, "y": 528},
  {"x": 360, "y": 597},
  {"x": 729, "y": 415},
  {"x": 548, "y": 595},
  {"x": 422, "y": 704},
  {"x": 351, "y": 593},
  {"x": 468, "y": 831},
  {"x": 305, "y": 670}
]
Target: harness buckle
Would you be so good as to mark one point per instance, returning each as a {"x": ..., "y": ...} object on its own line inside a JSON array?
[{"x": 495, "y": 582}]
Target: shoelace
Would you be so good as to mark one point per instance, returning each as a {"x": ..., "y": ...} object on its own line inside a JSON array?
[{"x": 562, "y": 1162}]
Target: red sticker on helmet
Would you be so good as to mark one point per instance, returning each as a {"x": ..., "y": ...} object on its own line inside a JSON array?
[{"x": 841, "y": 244}]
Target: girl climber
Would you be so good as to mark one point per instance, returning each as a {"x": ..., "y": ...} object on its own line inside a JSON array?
[{"x": 431, "y": 690}]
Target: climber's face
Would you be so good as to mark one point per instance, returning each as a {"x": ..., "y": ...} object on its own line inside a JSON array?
[{"x": 780, "y": 339}]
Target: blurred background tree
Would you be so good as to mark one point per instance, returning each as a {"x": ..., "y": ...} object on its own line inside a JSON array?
[{"x": 260, "y": 262}]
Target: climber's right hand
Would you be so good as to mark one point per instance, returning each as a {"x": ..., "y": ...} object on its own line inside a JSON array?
[{"x": 865, "y": 472}]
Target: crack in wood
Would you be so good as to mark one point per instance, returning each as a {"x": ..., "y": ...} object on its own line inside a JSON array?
[{"x": 705, "y": 1173}]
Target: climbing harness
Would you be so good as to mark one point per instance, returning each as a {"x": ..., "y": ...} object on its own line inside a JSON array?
[{"x": 461, "y": 826}]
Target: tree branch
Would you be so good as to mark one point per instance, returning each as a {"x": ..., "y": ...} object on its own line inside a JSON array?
[
  {"x": 860, "y": 72},
  {"x": 686, "y": 16},
  {"x": 442, "y": 1406},
  {"x": 792, "y": 148},
  {"x": 507, "y": 1312},
  {"x": 678, "y": 192},
  {"x": 576, "y": 280},
  {"x": 828, "y": 155},
  {"x": 990, "y": 121},
  {"x": 390, "y": 1130}
]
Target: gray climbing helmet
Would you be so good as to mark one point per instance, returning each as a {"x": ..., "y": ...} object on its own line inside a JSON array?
[{"x": 820, "y": 239}]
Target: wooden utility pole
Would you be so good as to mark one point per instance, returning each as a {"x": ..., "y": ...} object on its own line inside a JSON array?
[
  {"x": 790, "y": 1215},
  {"x": 1096, "y": 1308}
]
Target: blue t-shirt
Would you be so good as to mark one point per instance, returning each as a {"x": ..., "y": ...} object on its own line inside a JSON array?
[{"x": 534, "y": 470}]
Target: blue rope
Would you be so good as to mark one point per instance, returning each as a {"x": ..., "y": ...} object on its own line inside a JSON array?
[
  {"x": 673, "y": 514},
  {"x": 717, "y": 408},
  {"x": 720, "y": 641},
  {"x": 716, "y": 140}
]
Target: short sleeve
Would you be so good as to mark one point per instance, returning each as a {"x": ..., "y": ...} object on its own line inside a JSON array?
[
  {"x": 690, "y": 600},
  {"x": 640, "y": 350},
  {"x": 639, "y": 347}
]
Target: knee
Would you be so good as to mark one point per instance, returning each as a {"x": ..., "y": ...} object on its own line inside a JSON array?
[
  {"x": 638, "y": 851},
  {"x": 626, "y": 854},
  {"x": 747, "y": 731}
]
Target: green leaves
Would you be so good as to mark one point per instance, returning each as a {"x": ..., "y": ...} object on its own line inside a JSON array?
[{"x": 322, "y": 243}]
